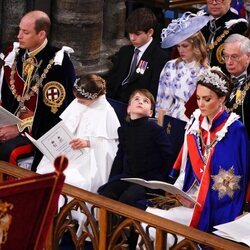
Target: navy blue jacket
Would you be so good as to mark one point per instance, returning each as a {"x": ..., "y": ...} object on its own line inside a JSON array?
[{"x": 144, "y": 151}]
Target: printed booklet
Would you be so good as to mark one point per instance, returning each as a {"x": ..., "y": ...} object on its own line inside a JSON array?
[
  {"x": 153, "y": 184},
  {"x": 56, "y": 142}
]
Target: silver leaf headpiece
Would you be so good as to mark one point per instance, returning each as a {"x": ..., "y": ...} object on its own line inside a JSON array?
[
  {"x": 209, "y": 77},
  {"x": 83, "y": 92}
]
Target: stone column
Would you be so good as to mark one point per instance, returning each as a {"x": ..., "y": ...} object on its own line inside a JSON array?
[
  {"x": 114, "y": 24},
  {"x": 12, "y": 11},
  {"x": 79, "y": 24}
]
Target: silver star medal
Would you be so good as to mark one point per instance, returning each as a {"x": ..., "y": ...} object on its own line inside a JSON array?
[{"x": 226, "y": 182}]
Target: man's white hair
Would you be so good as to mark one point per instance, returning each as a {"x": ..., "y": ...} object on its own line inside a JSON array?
[{"x": 243, "y": 40}]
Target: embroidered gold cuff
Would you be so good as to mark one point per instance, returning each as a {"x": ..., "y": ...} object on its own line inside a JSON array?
[{"x": 26, "y": 123}]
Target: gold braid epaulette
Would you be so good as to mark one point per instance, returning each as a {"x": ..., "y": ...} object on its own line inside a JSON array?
[{"x": 240, "y": 99}]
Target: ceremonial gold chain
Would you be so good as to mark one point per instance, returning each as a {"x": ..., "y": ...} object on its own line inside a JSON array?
[
  {"x": 218, "y": 40},
  {"x": 240, "y": 100},
  {"x": 33, "y": 89}
]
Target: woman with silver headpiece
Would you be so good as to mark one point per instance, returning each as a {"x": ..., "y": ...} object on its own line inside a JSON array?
[
  {"x": 212, "y": 166},
  {"x": 94, "y": 125},
  {"x": 178, "y": 77}
]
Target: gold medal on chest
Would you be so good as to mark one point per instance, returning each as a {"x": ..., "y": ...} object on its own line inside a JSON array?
[{"x": 53, "y": 95}]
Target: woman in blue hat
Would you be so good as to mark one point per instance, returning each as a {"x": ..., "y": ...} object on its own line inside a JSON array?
[{"x": 179, "y": 76}]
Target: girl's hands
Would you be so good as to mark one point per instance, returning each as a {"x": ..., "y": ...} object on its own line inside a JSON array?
[{"x": 78, "y": 143}]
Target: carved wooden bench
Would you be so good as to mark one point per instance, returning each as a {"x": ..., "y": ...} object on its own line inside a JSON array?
[{"x": 103, "y": 236}]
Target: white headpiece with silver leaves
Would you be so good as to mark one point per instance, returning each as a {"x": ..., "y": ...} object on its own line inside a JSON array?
[
  {"x": 83, "y": 92},
  {"x": 209, "y": 77}
]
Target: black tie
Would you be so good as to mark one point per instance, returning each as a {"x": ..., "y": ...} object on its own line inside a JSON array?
[{"x": 132, "y": 66}]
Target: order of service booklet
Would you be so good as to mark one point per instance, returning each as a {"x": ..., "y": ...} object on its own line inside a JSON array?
[
  {"x": 237, "y": 230},
  {"x": 154, "y": 184},
  {"x": 56, "y": 142},
  {"x": 7, "y": 118}
]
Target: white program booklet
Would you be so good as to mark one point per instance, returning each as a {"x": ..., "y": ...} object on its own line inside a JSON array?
[
  {"x": 56, "y": 142},
  {"x": 237, "y": 230},
  {"x": 7, "y": 118},
  {"x": 153, "y": 184}
]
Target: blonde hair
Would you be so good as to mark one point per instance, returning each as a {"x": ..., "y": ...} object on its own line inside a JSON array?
[{"x": 199, "y": 49}]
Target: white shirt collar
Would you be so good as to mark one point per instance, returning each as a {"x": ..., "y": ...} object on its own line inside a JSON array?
[{"x": 143, "y": 48}]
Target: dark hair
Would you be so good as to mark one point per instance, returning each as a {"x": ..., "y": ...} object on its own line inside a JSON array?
[
  {"x": 41, "y": 20},
  {"x": 141, "y": 19},
  {"x": 89, "y": 86},
  {"x": 146, "y": 93},
  {"x": 42, "y": 23},
  {"x": 214, "y": 87}
]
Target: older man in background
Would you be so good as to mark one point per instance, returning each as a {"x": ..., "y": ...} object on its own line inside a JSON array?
[
  {"x": 224, "y": 22},
  {"x": 236, "y": 55}
]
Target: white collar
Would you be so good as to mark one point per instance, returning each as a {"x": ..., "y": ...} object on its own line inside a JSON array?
[
  {"x": 145, "y": 46},
  {"x": 205, "y": 124}
]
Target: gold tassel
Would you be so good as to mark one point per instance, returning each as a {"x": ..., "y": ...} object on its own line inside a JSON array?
[{"x": 163, "y": 202}]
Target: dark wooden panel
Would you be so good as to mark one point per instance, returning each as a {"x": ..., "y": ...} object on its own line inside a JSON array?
[{"x": 172, "y": 4}]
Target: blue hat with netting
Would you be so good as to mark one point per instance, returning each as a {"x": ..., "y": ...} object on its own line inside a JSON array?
[{"x": 182, "y": 28}]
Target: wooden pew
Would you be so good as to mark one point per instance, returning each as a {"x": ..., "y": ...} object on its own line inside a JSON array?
[{"x": 98, "y": 220}]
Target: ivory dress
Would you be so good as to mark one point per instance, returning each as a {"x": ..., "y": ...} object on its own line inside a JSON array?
[{"x": 97, "y": 123}]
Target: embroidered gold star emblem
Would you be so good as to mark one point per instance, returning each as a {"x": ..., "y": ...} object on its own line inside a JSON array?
[{"x": 226, "y": 182}]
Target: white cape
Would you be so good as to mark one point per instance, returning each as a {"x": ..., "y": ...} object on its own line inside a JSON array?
[{"x": 97, "y": 123}]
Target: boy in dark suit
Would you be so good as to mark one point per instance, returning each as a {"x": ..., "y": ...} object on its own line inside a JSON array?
[
  {"x": 137, "y": 65},
  {"x": 144, "y": 151}
]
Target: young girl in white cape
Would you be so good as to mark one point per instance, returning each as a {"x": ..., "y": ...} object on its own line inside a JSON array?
[{"x": 94, "y": 124}]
